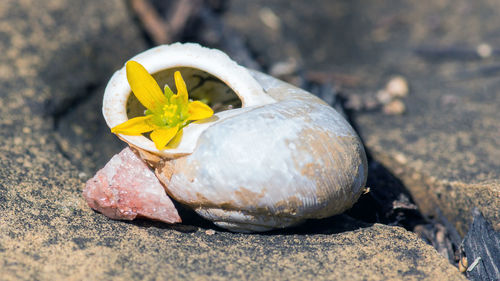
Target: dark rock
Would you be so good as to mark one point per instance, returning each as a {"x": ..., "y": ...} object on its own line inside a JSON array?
[{"x": 482, "y": 249}]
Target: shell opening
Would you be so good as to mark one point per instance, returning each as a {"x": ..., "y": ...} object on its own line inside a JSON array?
[{"x": 201, "y": 86}]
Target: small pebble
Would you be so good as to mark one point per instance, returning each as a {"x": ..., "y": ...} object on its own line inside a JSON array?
[
  {"x": 18, "y": 140},
  {"x": 395, "y": 107},
  {"x": 283, "y": 68},
  {"x": 269, "y": 18},
  {"x": 384, "y": 97},
  {"x": 397, "y": 87},
  {"x": 210, "y": 232},
  {"x": 463, "y": 264},
  {"x": 400, "y": 158},
  {"x": 484, "y": 50}
]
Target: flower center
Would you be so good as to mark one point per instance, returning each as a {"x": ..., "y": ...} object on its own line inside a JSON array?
[{"x": 171, "y": 114}]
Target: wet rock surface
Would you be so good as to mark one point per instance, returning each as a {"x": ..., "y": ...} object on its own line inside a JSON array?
[
  {"x": 441, "y": 139},
  {"x": 58, "y": 55}
]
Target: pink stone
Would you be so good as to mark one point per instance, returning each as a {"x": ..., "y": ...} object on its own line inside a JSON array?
[{"x": 127, "y": 188}]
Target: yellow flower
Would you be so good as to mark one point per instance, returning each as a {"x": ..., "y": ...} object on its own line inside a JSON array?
[{"x": 167, "y": 113}]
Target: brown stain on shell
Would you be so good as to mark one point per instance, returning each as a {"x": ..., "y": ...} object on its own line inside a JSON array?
[
  {"x": 249, "y": 197},
  {"x": 165, "y": 169},
  {"x": 341, "y": 154}
]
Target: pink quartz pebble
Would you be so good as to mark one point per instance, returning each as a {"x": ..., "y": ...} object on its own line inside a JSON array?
[{"x": 127, "y": 188}]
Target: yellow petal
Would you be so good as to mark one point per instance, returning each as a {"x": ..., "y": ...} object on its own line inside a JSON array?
[
  {"x": 198, "y": 110},
  {"x": 175, "y": 141},
  {"x": 162, "y": 136},
  {"x": 135, "y": 126},
  {"x": 145, "y": 87},
  {"x": 181, "y": 88}
]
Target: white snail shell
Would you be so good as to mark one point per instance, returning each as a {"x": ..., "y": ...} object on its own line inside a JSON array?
[{"x": 283, "y": 157}]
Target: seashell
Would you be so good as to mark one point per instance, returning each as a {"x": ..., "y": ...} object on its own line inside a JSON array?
[{"x": 283, "y": 157}]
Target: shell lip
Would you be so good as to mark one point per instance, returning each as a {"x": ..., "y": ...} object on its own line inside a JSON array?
[{"x": 191, "y": 55}]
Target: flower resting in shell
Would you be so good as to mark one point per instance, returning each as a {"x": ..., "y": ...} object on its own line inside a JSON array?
[{"x": 167, "y": 113}]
